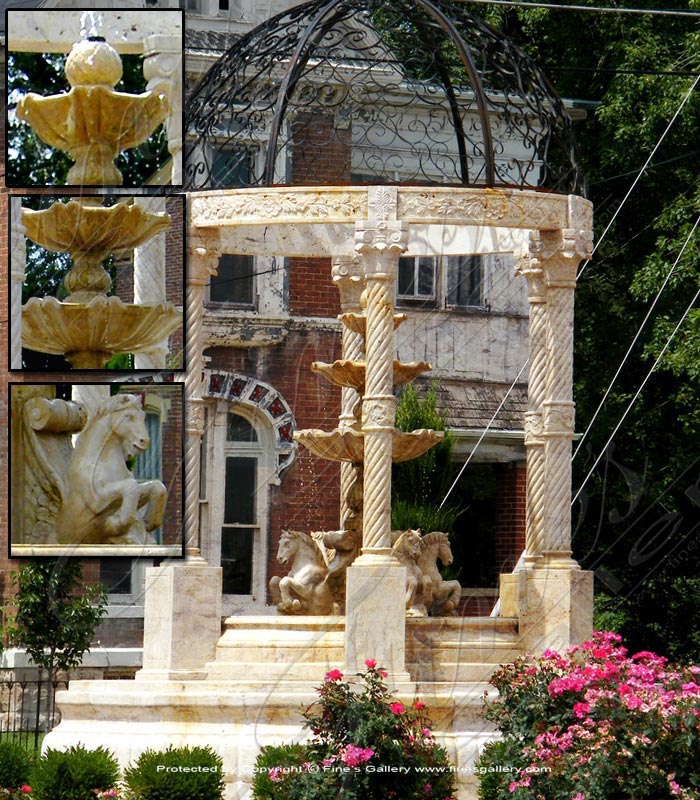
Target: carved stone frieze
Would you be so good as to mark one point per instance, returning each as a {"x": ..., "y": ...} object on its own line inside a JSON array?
[
  {"x": 303, "y": 205},
  {"x": 534, "y": 427},
  {"x": 477, "y": 205}
]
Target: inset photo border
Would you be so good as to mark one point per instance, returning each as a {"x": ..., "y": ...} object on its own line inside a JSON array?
[
  {"x": 94, "y": 97},
  {"x": 96, "y": 469},
  {"x": 97, "y": 282}
]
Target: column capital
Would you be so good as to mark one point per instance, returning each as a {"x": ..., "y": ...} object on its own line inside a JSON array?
[
  {"x": 383, "y": 238},
  {"x": 555, "y": 254},
  {"x": 203, "y": 258},
  {"x": 349, "y": 276}
]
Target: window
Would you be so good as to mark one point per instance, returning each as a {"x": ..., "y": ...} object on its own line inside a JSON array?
[
  {"x": 449, "y": 282},
  {"x": 234, "y": 283},
  {"x": 464, "y": 281},
  {"x": 240, "y": 464},
  {"x": 223, "y": 5},
  {"x": 417, "y": 278},
  {"x": 238, "y": 530},
  {"x": 231, "y": 167}
]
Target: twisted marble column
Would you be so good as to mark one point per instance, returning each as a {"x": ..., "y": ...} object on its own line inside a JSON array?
[
  {"x": 561, "y": 253},
  {"x": 349, "y": 278},
  {"x": 380, "y": 243},
  {"x": 18, "y": 257},
  {"x": 202, "y": 263},
  {"x": 530, "y": 266},
  {"x": 162, "y": 68}
]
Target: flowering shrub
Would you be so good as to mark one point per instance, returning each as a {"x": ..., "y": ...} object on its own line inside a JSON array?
[
  {"x": 16, "y": 794},
  {"x": 594, "y": 724},
  {"x": 365, "y": 746}
]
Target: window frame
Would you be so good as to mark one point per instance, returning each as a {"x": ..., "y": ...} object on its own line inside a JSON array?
[
  {"x": 225, "y": 304},
  {"x": 440, "y": 299}
]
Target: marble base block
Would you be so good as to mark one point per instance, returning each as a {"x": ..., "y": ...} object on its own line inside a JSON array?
[
  {"x": 182, "y": 621},
  {"x": 555, "y": 607},
  {"x": 375, "y": 623}
]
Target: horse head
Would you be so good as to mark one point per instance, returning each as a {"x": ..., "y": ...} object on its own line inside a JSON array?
[
  {"x": 289, "y": 544},
  {"x": 128, "y": 423},
  {"x": 408, "y": 546},
  {"x": 439, "y": 542}
]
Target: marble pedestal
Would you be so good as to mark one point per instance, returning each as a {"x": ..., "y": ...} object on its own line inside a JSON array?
[
  {"x": 554, "y": 606},
  {"x": 182, "y": 622},
  {"x": 264, "y": 672},
  {"x": 376, "y": 619}
]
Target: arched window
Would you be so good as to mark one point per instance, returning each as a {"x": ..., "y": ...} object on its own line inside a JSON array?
[{"x": 239, "y": 457}]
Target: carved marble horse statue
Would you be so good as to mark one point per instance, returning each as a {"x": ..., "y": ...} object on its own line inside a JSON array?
[
  {"x": 305, "y": 589},
  {"x": 407, "y": 549},
  {"x": 440, "y": 596},
  {"x": 103, "y": 503}
]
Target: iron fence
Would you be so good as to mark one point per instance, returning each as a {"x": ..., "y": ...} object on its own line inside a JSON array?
[{"x": 28, "y": 707}]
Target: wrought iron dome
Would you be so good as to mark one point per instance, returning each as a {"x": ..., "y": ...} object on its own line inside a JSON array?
[{"x": 370, "y": 91}]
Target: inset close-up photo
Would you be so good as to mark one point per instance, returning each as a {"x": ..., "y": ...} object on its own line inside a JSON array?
[
  {"x": 96, "y": 470},
  {"x": 97, "y": 283},
  {"x": 94, "y": 98}
]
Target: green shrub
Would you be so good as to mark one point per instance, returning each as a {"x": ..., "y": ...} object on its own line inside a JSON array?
[
  {"x": 15, "y": 765},
  {"x": 74, "y": 774},
  {"x": 186, "y": 773}
]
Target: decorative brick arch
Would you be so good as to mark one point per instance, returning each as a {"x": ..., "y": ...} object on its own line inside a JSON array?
[{"x": 251, "y": 392}]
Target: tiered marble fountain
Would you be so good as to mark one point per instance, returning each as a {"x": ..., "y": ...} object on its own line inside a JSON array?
[
  {"x": 93, "y": 122},
  {"x": 88, "y": 327}
]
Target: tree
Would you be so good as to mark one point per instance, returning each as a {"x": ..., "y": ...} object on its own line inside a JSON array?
[
  {"x": 51, "y": 621},
  {"x": 636, "y": 518}
]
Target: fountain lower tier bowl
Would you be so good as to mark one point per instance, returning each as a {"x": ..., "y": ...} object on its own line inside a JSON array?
[
  {"x": 90, "y": 333},
  {"x": 352, "y": 373},
  {"x": 349, "y": 445}
]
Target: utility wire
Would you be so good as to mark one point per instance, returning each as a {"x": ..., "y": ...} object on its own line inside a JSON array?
[
  {"x": 602, "y": 236},
  {"x": 641, "y": 172},
  {"x": 658, "y": 12},
  {"x": 636, "y": 336},
  {"x": 638, "y": 392},
  {"x": 484, "y": 432}
]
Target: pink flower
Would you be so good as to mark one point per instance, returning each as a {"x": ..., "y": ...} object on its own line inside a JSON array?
[
  {"x": 334, "y": 675},
  {"x": 275, "y": 774},
  {"x": 581, "y": 710},
  {"x": 353, "y": 756},
  {"x": 397, "y": 708},
  {"x": 383, "y": 673},
  {"x": 578, "y": 796},
  {"x": 370, "y": 663},
  {"x": 426, "y": 732},
  {"x": 427, "y": 788},
  {"x": 418, "y": 705},
  {"x": 328, "y": 761}
]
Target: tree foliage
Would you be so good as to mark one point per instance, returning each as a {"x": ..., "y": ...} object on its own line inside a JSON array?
[
  {"x": 637, "y": 516},
  {"x": 51, "y": 621}
]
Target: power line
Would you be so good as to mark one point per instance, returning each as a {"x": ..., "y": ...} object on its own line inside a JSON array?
[
  {"x": 641, "y": 172},
  {"x": 638, "y": 392},
  {"x": 484, "y": 432},
  {"x": 657, "y": 12},
  {"x": 636, "y": 336}
]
